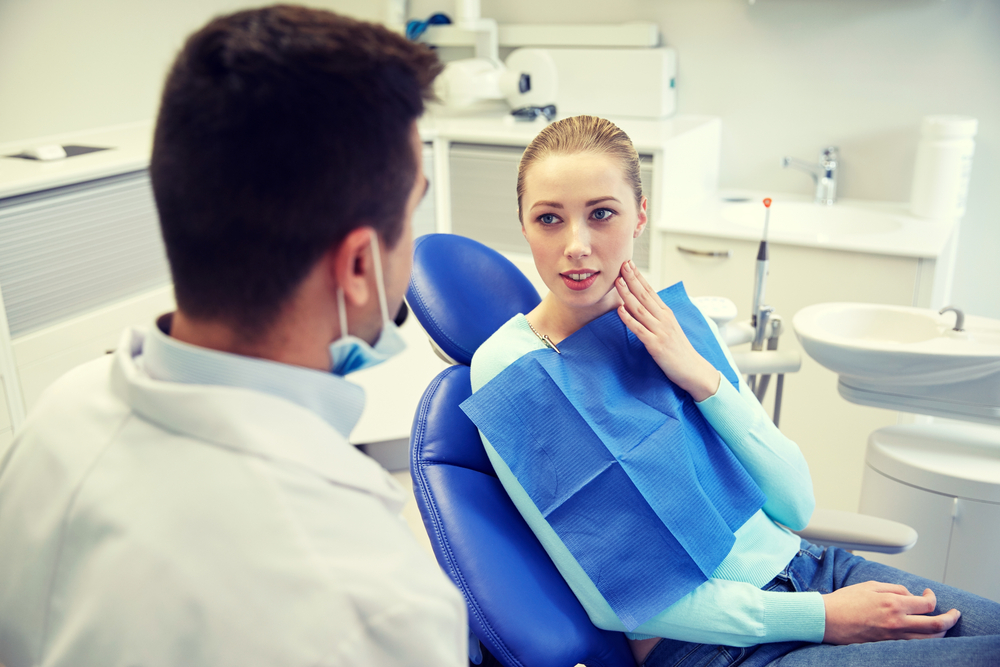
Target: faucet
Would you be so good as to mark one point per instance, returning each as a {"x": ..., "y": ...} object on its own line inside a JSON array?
[
  {"x": 959, "y": 317},
  {"x": 824, "y": 174}
]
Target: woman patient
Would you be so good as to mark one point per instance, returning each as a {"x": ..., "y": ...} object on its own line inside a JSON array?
[{"x": 773, "y": 596}]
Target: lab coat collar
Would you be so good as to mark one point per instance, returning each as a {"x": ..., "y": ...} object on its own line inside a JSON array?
[
  {"x": 337, "y": 401},
  {"x": 248, "y": 421}
]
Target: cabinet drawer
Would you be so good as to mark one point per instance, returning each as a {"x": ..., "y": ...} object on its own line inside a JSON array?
[
  {"x": 43, "y": 356},
  {"x": 798, "y": 276},
  {"x": 72, "y": 249}
]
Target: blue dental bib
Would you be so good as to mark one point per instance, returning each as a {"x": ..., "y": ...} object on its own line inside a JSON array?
[{"x": 620, "y": 461}]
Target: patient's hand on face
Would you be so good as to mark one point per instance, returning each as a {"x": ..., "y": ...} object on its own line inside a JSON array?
[
  {"x": 874, "y": 611},
  {"x": 645, "y": 314}
]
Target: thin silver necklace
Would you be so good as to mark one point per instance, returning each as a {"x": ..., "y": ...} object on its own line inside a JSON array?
[{"x": 544, "y": 339}]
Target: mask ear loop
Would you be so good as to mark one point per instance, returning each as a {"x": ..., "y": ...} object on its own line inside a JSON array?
[
  {"x": 379, "y": 282},
  {"x": 342, "y": 313}
]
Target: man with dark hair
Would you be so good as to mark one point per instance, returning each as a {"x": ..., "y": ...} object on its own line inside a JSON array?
[{"x": 193, "y": 499}]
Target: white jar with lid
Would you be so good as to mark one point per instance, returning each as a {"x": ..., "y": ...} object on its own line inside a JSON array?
[{"x": 944, "y": 162}]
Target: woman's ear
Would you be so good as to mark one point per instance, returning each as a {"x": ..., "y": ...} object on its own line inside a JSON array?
[
  {"x": 643, "y": 219},
  {"x": 353, "y": 267}
]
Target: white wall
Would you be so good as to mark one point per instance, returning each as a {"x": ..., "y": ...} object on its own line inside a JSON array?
[
  {"x": 69, "y": 65},
  {"x": 788, "y": 77}
]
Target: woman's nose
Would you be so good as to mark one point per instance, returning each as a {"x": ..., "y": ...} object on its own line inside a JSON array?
[{"x": 578, "y": 241}]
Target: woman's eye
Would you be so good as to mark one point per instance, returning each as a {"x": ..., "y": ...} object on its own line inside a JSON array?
[
  {"x": 548, "y": 219},
  {"x": 602, "y": 213}
]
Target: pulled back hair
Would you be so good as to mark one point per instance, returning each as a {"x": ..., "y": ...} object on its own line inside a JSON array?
[
  {"x": 582, "y": 134},
  {"x": 280, "y": 131}
]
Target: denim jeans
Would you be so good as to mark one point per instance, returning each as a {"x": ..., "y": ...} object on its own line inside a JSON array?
[{"x": 973, "y": 641}]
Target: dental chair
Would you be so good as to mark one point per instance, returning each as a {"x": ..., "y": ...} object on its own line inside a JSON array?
[{"x": 519, "y": 606}]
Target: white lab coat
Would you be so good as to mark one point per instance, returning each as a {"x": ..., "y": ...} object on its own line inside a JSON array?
[{"x": 150, "y": 523}]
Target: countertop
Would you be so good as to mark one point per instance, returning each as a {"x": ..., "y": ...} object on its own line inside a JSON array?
[
  {"x": 503, "y": 129},
  {"x": 130, "y": 145},
  {"x": 905, "y": 235}
]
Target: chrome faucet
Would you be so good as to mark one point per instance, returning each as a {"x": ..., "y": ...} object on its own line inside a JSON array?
[
  {"x": 959, "y": 317},
  {"x": 824, "y": 174}
]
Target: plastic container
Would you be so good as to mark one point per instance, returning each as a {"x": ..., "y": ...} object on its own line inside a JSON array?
[{"x": 944, "y": 162}]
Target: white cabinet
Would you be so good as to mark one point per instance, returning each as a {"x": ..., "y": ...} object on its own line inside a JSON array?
[
  {"x": 44, "y": 355},
  {"x": 475, "y": 174},
  {"x": 484, "y": 197},
  {"x": 930, "y": 514},
  {"x": 6, "y": 428},
  {"x": 425, "y": 215},
  {"x": 80, "y": 259},
  {"x": 831, "y": 432},
  {"x": 943, "y": 479}
]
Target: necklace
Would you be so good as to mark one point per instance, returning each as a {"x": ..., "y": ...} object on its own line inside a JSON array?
[{"x": 544, "y": 339}]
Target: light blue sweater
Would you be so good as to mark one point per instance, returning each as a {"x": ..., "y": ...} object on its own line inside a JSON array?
[{"x": 729, "y": 608}]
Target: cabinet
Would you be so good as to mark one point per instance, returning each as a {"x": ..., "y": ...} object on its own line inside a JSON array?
[
  {"x": 944, "y": 480},
  {"x": 484, "y": 197},
  {"x": 81, "y": 258},
  {"x": 475, "y": 163},
  {"x": 831, "y": 432},
  {"x": 6, "y": 429}
]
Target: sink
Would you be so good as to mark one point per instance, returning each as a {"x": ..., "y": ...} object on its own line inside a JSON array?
[
  {"x": 907, "y": 358},
  {"x": 797, "y": 217}
]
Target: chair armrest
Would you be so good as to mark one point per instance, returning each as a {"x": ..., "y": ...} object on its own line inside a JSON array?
[
  {"x": 849, "y": 530},
  {"x": 767, "y": 362}
]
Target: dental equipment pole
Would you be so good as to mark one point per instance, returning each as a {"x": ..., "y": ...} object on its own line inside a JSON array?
[{"x": 760, "y": 313}]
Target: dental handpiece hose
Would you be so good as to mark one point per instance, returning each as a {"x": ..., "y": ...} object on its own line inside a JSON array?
[{"x": 759, "y": 319}]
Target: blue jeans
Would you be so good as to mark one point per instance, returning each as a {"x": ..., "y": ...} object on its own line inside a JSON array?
[{"x": 973, "y": 641}]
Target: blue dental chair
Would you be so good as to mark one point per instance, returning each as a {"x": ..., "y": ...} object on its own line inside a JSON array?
[{"x": 519, "y": 606}]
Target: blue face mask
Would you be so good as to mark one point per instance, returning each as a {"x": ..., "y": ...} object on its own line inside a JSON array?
[{"x": 350, "y": 353}]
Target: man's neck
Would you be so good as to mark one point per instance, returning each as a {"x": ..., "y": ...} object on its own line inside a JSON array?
[{"x": 282, "y": 343}]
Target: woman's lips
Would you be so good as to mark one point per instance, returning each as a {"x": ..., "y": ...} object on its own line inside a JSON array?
[{"x": 579, "y": 280}]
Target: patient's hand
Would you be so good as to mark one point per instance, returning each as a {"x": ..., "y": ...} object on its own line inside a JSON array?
[
  {"x": 645, "y": 314},
  {"x": 874, "y": 611}
]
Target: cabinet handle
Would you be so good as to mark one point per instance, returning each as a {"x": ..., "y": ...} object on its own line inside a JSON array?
[{"x": 706, "y": 253}]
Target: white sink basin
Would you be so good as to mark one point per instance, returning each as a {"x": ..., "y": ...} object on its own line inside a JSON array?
[
  {"x": 909, "y": 357},
  {"x": 796, "y": 217}
]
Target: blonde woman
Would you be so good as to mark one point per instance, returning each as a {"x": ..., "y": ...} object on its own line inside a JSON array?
[{"x": 770, "y": 596}]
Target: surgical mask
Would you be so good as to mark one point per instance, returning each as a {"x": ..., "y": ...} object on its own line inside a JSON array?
[{"x": 350, "y": 353}]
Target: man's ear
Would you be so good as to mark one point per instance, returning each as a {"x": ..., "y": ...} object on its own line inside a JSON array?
[
  {"x": 643, "y": 219},
  {"x": 352, "y": 266}
]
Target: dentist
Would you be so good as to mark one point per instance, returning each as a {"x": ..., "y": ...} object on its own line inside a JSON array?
[{"x": 193, "y": 498}]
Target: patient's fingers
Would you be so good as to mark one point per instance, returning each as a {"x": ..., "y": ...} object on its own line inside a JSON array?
[
  {"x": 640, "y": 288},
  {"x": 653, "y": 323},
  {"x": 642, "y": 279},
  {"x": 633, "y": 306}
]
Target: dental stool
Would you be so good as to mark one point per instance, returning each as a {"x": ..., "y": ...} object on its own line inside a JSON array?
[{"x": 519, "y": 606}]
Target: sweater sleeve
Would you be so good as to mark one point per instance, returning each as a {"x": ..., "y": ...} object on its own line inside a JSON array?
[{"x": 774, "y": 461}]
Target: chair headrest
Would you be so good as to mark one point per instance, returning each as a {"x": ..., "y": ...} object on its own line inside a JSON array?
[{"x": 461, "y": 292}]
